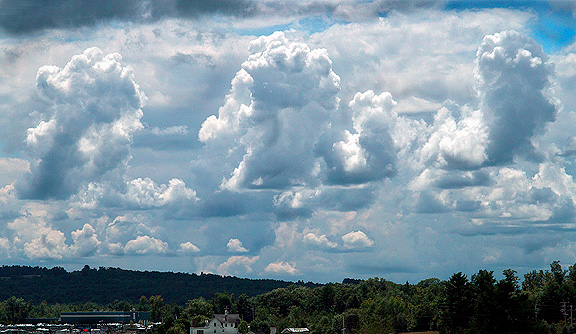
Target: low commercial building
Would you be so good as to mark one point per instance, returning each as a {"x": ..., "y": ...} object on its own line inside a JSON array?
[{"x": 97, "y": 318}]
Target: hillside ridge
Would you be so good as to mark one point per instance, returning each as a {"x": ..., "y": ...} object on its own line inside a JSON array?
[{"x": 106, "y": 284}]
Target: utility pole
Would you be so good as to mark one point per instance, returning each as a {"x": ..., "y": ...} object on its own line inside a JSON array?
[
  {"x": 571, "y": 315},
  {"x": 536, "y": 310},
  {"x": 564, "y": 310},
  {"x": 343, "y": 328}
]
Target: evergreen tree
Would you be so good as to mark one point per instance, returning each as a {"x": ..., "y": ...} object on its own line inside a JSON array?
[{"x": 458, "y": 303}]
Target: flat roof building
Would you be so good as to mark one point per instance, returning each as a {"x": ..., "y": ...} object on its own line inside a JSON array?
[{"x": 94, "y": 318}]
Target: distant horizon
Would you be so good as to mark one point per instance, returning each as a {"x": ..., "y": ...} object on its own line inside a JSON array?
[
  {"x": 188, "y": 273},
  {"x": 497, "y": 275},
  {"x": 309, "y": 141}
]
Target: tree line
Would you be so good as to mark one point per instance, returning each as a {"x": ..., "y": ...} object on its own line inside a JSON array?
[
  {"x": 104, "y": 285},
  {"x": 543, "y": 301}
]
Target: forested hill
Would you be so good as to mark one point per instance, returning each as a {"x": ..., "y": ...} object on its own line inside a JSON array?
[{"x": 104, "y": 285}]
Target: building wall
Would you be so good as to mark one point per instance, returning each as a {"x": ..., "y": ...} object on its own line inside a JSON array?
[{"x": 215, "y": 327}]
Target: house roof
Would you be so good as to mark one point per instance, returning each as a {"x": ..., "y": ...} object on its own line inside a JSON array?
[
  {"x": 227, "y": 318},
  {"x": 296, "y": 330}
]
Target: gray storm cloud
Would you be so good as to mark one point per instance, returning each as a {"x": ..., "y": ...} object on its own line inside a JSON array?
[
  {"x": 27, "y": 16},
  {"x": 92, "y": 109}
]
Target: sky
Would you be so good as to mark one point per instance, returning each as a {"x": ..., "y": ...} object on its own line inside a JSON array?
[{"x": 311, "y": 140}]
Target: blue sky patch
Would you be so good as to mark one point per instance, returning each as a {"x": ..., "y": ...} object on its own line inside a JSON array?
[{"x": 554, "y": 29}]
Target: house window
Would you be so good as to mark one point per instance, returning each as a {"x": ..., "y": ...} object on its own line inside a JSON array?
[{"x": 200, "y": 331}]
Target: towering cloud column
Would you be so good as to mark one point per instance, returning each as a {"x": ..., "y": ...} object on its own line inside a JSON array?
[
  {"x": 513, "y": 75},
  {"x": 279, "y": 104},
  {"x": 92, "y": 109}
]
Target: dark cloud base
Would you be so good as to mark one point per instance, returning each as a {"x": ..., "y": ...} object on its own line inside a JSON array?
[{"x": 28, "y": 16}]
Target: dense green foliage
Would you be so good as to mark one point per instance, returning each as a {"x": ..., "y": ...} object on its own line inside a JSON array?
[
  {"x": 540, "y": 303},
  {"x": 104, "y": 285}
]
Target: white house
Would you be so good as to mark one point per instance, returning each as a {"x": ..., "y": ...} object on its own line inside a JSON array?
[{"x": 219, "y": 324}]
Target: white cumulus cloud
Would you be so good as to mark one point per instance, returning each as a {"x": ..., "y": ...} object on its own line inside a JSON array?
[
  {"x": 145, "y": 245},
  {"x": 140, "y": 193},
  {"x": 146, "y": 193},
  {"x": 280, "y": 267},
  {"x": 237, "y": 265},
  {"x": 235, "y": 246},
  {"x": 356, "y": 240},
  {"x": 85, "y": 241},
  {"x": 35, "y": 236},
  {"x": 49, "y": 245},
  {"x": 130, "y": 229},
  {"x": 188, "y": 247},
  {"x": 367, "y": 153},
  {"x": 319, "y": 240},
  {"x": 456, "y": 142}
]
